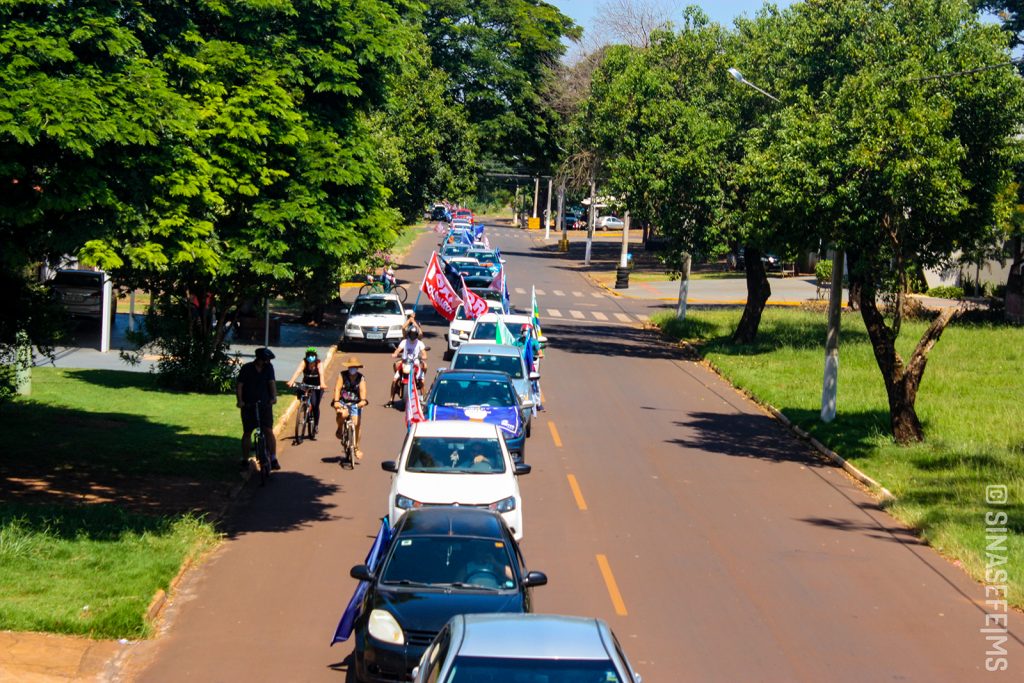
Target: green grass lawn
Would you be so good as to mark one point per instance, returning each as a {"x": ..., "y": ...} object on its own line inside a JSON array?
[
  {"x": 970, "y": 402},
  {"x": 123, "y": 421},
  {"x": 91, "y": 569}
]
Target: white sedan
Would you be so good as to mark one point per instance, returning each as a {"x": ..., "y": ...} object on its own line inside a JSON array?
[
  {"x": 374, "y": 319},
  {"x": 460, "y": 326},
  {"x": 456, "y": 462},
  {"x": 609, "y": 223}
]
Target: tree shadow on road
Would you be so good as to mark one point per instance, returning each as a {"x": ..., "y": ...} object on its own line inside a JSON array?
[
  {"x": 609, "y": 340},
  {"x": 289, "y": 501},
  {"x": 744, "y": 435}
]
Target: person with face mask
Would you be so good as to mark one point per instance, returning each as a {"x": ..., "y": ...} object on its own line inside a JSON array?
[
  {"x": 256, "y": 385},
  {"x": 311, "y": 370},
  {"x": 409, "y": 349},
  {"x": 350, "y": 398}
]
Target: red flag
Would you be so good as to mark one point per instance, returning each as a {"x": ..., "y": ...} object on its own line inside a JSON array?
[
  {"x": 413, "y": 408},
  {"x": 439, "y": 290},
  {"x": 474, "y": 304},
  {"x": 498, "y": 282}
]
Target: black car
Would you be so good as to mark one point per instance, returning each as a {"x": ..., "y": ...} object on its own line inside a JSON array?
[
  {"x": 441, "y": 561},
  {"x": 439, "y": 213},
  {"x": 475, "y": 276}
]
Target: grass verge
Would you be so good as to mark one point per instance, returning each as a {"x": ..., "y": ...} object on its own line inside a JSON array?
[
  {"x": 122, "y": 421},
  {"x": 969, "y": 402},
  {"x": 90, "y": 570}
]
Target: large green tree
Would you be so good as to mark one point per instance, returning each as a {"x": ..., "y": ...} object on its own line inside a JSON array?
[
  {"x": 500, "y": 57},
  {"x": 888, "y": 148}
]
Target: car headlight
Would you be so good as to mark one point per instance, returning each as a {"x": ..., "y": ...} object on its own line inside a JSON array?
[
  {"x": 405, "y": 503},
  {"x": 503, "y": 505},
  {"x": 351, "y": 327},
  {"x": 384, "y": 628},
  {"x": 395, "y": 329}
]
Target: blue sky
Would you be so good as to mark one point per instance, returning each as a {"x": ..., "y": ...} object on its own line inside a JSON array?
[{"x": 585, "y": 12}]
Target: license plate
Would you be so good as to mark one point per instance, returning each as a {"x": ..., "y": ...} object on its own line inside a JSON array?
[{"x": 374, "y": 335}]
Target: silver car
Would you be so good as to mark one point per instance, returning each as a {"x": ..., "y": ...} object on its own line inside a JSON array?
[
  {"x": 503, "y": 358},
  {"x": 534, "y": 647}
]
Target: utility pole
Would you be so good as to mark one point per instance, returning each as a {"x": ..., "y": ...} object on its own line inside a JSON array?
[
  {"x": 591, "y": 219},
  {"x": 622, "y": 272},
  {"x": 563, "y": 244},
  {"x": 830, "y": 385},
  {"x": 547, "y": 212},
  {"x": 536, "y": 194},
  {"x": 515, "y": 209}
]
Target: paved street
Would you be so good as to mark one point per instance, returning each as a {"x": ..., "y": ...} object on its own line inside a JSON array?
[{"x": 717, "y": 546}]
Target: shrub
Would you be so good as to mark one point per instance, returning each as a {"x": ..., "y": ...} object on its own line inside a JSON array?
[
  {"x": 823, "y": 270},
  {"x": 946, "y": 292}
]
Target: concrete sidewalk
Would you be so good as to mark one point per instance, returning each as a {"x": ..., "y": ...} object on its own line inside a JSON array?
[{"x": 49, "y": 658}]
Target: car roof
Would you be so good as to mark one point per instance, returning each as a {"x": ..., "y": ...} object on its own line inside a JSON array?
[
  {"x": 457, "y": 428},
  {"x": 483, "y": 375},
  {"x": 492, "y": 349},
  {"x": 377, "y": 296},
  {"x": 514, "y": 317},
  {"x": 533, "y": 636},
  {"x": 452, "y": 521}
]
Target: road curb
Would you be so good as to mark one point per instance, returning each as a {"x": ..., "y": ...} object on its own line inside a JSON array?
[
  {"x": 161, "y": 597},
  {"x": 872, "y": 484}
]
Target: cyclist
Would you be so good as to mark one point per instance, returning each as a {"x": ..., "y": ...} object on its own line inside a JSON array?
[
  {"x": 350, "y": 398},
  {"x": 256, "y": 384},
  {"x": 410, "y": 349},
  {"x": 387, "y": 278},
  {"x": 311, "y": 370}
]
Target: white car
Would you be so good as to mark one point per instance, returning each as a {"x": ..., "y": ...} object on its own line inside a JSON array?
[
  {"x": 460, "y": 327},
  {"x": 374, "y": 319},
  {"x": 456, "y": 462},
  {"x": 609, "y": 223},
  {"x": 483, "y": 331}
]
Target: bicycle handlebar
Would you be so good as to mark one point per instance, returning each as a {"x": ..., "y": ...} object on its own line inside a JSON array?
[{"x": 306, "y": 387}]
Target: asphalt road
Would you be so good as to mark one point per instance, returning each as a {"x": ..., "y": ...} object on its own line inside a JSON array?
[{"x": 715, "y": 544}]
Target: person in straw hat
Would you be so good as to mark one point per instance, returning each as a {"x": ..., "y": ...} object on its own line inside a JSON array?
[{"x": 350, "y": 397}]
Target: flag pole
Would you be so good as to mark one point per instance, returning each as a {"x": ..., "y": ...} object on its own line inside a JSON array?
[{"x": 419, "y": 292}]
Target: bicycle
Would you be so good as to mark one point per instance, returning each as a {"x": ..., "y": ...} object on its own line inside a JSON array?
[
  {"x": 305, "y": 425},
  {"x": 260, "y": 449},
  {"x": 376, "y": 286},
  {"x": 348, "y": 440}
]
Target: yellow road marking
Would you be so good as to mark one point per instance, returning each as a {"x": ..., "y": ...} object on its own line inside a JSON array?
[
  {"x": 613, "y": 588},
  {"x": 554, "y": 434},
  {"x": 577, "y": 493}
]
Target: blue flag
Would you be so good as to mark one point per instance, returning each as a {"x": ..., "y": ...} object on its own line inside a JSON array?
[
  {"x": 478, "y": 231},
  {"x": 355, "y": 605},
  {"x": 467, "y": 237}
]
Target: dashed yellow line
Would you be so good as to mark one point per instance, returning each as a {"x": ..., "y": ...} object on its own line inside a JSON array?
[
  {"x": 613, "y": 588},
  {"x": 554, "y": 434},
  {"x": 577, "y": 493}
]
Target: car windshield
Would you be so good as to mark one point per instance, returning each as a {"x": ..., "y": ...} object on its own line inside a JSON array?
[
  {"x": 486, "y": 293},
  {"x": 483, "y": 255},
  {"x": 513, "y": 365},
  {"x": 376, "y": 307},
  {"x": 469, "y": 269},
  {"x": 454, "y": 250},
  {"x": 455, "y": 455},
  {"x": 447, "y": 560},
  {"x": 488, "y": 669},
  {"x": 484, "y": 330},
  {"x": 67, "y": 278},
  {"x": 455, "y": 393}
]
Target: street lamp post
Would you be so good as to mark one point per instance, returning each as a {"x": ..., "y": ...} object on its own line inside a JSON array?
[{"x": 830, "y": 382}]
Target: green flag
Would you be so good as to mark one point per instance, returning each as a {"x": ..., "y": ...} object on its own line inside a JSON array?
[{"x": 502, "y": 335}]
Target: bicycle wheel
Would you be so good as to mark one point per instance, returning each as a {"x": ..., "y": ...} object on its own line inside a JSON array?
[
  {"x": 350, "y": 441},
  {"x": 300, "y": 422},
  {"x": 263, "y": 458},
  {"x": 401, "y": 291}
]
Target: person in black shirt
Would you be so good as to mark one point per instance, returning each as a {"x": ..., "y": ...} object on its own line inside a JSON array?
[
  {"x": 312, "y": 372},
  {"x": 350, "y": 398},
  {"x": 256, "y": 384}
]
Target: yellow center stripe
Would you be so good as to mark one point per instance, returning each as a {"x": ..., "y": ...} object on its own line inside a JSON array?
[
  {"x": 554, "y": 434},
  {"x": 577, "y": 493},
  {"x": 613, "y": 588}
]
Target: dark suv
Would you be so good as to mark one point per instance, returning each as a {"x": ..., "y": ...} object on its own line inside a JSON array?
[{"x": 81, "y": 292}]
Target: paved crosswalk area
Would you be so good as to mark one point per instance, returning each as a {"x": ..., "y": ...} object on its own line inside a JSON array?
[{"x": 580, "y": 306}]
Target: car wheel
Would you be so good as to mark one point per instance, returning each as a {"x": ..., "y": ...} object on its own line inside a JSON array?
[{"x": 529, "y": 428}]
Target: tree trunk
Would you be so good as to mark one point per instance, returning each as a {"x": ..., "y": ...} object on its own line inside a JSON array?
[
  {"x": 902, "y": 380},
  {"x": 758, "y": 291},
  {"x": 1014, "y": 298}
]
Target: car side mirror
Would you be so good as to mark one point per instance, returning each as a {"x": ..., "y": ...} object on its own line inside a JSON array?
[
  {"x": 416, "y": 674},
  {"x": 523, "y": 468},
  {"x": 542, "y": 340},
  {"x": 389, "y": 466},
  {"x": 535, "y": 579},
  {"x": 363, "y": 573},
  {"x": 502, "y": 260},
  {"x": 534, "y": 376}
]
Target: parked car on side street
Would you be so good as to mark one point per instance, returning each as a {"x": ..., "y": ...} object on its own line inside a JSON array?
[
  {"x": 81, "y": 292},
  {"x": 609, "y": 223}
]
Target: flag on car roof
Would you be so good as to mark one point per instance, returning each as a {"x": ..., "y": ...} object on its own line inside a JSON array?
[
  {"x": 439, "y": 290},
  {"x": 473, "y": 304},
  {"x": 502, "y": 335},
  {"x": 498, "y": 284},
  {"x": 535, "y": 310},
  {"x": 355, "y": 605}
]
